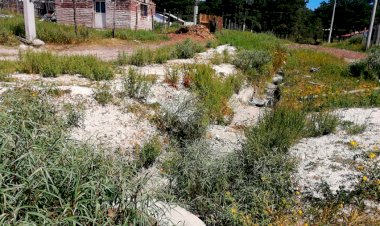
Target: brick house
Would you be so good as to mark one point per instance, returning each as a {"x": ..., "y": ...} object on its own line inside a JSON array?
[{"x": 132, "y": 14}]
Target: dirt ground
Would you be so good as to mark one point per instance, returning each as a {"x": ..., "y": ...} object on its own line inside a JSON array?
[
  {"x": 348, "y": 55},
  {"x": 106, "y": 50}
]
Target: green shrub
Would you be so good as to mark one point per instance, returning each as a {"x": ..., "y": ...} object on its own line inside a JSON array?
[
  {"x": 322, "y": 123},
  {"x": 186, "y": 122},
  {"x": 373, "y": 61},
  {"x": 358, "y": 39},
  {"x": 213, "y": 91},
  {"x": 358, "y": 69},
  {"x": 136, "y": 85},
  {"x": 252, "y": 61},
  {"x": 71, "y": 183},
  {"x": 103, "y": 95},
  {"x": 188, "y": 49},
  {"x": 141, "y": 57},
  {"x": 164, "y": 54},
  {"x": 172, "y": 76},
  {"x": 149, "y": 153}
]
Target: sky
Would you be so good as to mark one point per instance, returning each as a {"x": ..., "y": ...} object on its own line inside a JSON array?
[{"x": 314, "y": 4}]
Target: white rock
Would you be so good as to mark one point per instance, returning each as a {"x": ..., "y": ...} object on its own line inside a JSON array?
[
  {"x": 245, "y": 95},
  {"x": 23, "y": 47},
  {"x": 38, "y": 43},
  {"x": 175, "y": 215}
]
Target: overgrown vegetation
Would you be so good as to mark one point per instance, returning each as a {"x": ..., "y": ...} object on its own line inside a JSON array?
[
  {"x": 354, "y": 43},
  {"x": 48, "y": 179},
  {"x": 322, "y": 123},
  {"x": 368, "y": 68},
  {"x": 214, "y": 92},
  {"x": 149, "y": 153},
  {"x": 246, "y": 187},
  {"x": 136, "y": 85},
  {"x": 184, "y": 50},
  {"x": 323, "y": 89},
  {"x": 50, "y": 65},
  {"x": 64, "y": 34}
]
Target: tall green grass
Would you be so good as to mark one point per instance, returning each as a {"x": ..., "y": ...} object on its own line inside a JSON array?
[
  {"x": 47, "y": 179},
  {"x": 214, "y": 92},
  {"x": 64, "y": 34},
  {"x": 250, "y": 41},
  {"x": 51, "y": 65}
]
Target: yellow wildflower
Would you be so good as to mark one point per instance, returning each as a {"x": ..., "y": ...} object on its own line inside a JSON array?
[
  {"x": 376, "y": 148},
  {"x": 365, "y": 178},
  {"x": 234, "y": 210},
  {"x": 305, "y": 224},
  {"x": 298, "y": 193},
  {"x": 372, "y": 155},
  {"x": 300, "y": 212},
  {"x": 340, "y": 206},
  {"x": 378, "y": 182},
  {"x": 354, "y": 144}
]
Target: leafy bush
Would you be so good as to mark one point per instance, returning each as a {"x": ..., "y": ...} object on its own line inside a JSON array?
[
  {"x": 355, "y": 39},
  {"x": 136, "y": 85},
  {"x": 252, "y": 61},
  {"x": 322, "y": 123},
  {"x": 50, "y": 65},
  {"x": 149, "y": 153},
  {"x": 164, "y": 54},
  {"x": 368, "y": 68},
  {"x": 54, "y": 180},
  {"x": 188, "y": 49}
]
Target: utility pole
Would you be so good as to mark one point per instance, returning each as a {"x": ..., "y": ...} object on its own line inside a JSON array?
[
  {"x": 196, "y": 12},
  {"x": 332, "y": 22},
  {"x": 369, "y": 38},
  {"x": 29, "y": 20}
]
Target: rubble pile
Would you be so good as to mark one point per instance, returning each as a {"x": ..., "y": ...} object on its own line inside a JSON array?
[{"x": 197, "y": 30}]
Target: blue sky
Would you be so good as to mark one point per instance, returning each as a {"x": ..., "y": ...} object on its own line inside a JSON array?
[{"x": 314, "y": 3}]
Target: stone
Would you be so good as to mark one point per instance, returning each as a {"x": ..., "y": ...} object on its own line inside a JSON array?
[
  {"x": 38, "y": 43},
  {"x": 258, "y": 102},
  {"x": 277, "y": 79},
  {"x": 245, "y": 95},
  {"x": 314, "y": 69},
  {"x": 175, "y": 215},
  {"x": 23, "y": 47}
]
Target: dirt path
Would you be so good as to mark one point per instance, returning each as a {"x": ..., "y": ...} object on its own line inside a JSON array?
[
  {"x": 348, "y": 55},
  {"x": 104, "y": 49}
]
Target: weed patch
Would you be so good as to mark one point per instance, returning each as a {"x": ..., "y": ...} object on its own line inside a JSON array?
[
  {"x": 321, "y": 123},
  {"x": 103, "y": 95},
  {"x": 136, "y": 85},
  {"x": 50, "y": 65},
  {"x": 149, "y": 153},
  {"x": 76, "y": 183}
]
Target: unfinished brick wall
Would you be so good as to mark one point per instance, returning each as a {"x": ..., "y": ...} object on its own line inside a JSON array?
[{"x": 126, "y": 14}]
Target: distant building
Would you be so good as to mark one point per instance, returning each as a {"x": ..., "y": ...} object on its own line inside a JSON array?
[
  {"x": 42, "y": 7},
  {"x": 132, "y": 14}
]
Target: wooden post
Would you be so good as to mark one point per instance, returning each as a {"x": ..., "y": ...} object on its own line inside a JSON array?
[
  {"x": 163, "y": 21},
  {"x": 75, "y": 17},
  {"x": 137, "y": 17},
  {"x": 114, "y": 19},
  {"x": 151, "y": 12}
]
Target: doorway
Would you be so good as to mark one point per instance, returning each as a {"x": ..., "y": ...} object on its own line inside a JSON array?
[{"x": 100, "y": 13}]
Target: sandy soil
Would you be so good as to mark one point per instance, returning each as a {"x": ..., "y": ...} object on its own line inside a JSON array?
[{"x": 330, "y": 158}]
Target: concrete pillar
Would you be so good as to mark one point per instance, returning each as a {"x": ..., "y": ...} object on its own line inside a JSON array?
[{"x": 29, "y": 19}]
